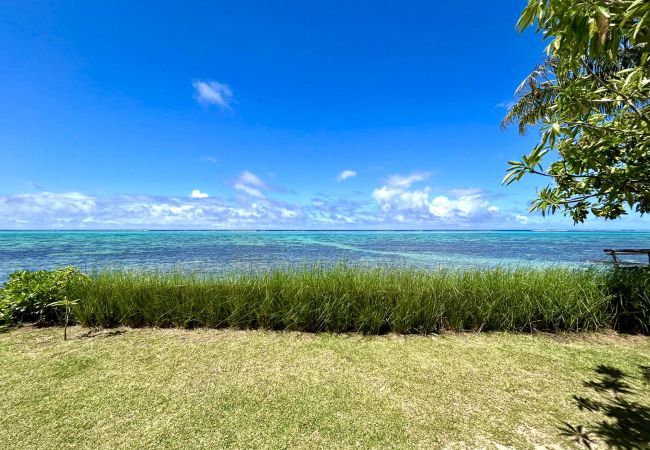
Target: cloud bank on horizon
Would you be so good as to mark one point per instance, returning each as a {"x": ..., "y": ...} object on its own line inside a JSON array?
[
  {"x": 402, "y": 201},
  {"x": 398, "y": 203}
]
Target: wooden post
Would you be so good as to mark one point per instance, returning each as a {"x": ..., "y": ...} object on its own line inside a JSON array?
[{"x": 626, "y": 251}]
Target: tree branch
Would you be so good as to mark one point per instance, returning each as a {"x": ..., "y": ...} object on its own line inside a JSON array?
[{"x": 614, "y": 90}]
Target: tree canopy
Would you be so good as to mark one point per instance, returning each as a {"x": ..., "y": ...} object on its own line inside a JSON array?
[{"x": 590, "y": 101}]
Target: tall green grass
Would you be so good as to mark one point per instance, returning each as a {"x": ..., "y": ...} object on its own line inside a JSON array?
[
  {"x": 629, "y": 290},
  {"x": 348, "y": 298}
]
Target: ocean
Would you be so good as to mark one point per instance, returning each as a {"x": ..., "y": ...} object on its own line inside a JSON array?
[{"x": 215, "y": 251}]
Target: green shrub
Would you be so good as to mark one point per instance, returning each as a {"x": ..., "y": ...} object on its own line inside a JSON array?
[
  {"x": 28, "y": 296},
  {"x": 629, "y": 288}
]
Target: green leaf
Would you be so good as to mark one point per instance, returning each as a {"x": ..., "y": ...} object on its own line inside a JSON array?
[
  {"x": 603, "y": 10},
  {"x": 527, "y": 17}
]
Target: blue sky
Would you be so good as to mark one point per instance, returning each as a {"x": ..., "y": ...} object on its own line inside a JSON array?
[{"x": 238, "y": 115}]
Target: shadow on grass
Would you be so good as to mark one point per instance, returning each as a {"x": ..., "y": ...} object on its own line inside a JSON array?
[
  {"x": 101, "y": 334},
  {"x": 626, "y": 423}
]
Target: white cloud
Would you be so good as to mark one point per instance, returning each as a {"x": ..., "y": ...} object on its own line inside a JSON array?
[
  {"x": 49, "y": 203},
  {"x": 288, "y": 213},
  {"x": 253, "y": 192},
  {"x": 412, "y": 208},
  {"x": 398, "y": 200},
  {"x": 250, "y": 184},
  {"x": 252, "y": 179},
  {"x": 210, "y": 159},
  {"x": 401, "y": 202},
  {"x": 522, "y": 219},
  {"x": 341, "y": 212},
  {"x": 396, "y": 185},
  {"x": 75, "y": 210},
  {"x": 346, "y": 174},
  {"x": 198, "y": 194},
  {"x": 212, "y": 92},
  {"x": 407, "y": 180}
]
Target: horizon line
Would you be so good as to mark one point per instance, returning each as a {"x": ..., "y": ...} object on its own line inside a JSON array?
[{"x": 250, "y": 230}]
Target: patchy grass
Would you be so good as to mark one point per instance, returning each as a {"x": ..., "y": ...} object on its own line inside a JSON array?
[{"x": 135, "y": 388}]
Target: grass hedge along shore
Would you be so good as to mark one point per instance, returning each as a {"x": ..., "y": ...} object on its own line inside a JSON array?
[{"x": 340, "y": 299}]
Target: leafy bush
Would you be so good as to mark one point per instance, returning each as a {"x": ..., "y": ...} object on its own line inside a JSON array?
[
  {"x": 630, "y": 299},
  {"x": 30, "y": 296}
]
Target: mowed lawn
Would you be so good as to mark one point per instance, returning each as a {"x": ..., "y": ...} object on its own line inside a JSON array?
[{"x": 169, "y": 388}]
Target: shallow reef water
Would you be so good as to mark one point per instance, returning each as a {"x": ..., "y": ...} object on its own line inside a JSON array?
[{"x": 214, "y": 251}]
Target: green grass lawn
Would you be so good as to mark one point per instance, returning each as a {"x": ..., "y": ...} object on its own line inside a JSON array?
[{"x": 134, "y": 388}]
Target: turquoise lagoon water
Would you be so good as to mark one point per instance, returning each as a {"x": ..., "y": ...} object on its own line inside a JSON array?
[{"x": 214, "y": 251}]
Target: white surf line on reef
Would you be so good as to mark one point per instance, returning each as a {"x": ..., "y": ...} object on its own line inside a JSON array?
[{"x": 438, "y": 257}]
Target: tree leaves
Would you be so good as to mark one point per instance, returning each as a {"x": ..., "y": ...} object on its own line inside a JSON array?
[{"x": 590, "y": 101}]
